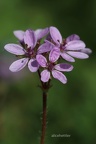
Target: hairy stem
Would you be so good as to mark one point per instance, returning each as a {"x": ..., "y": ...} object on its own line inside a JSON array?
[
  {"x": 44, "y": 117},
  {"x": 45, "y": 87}
]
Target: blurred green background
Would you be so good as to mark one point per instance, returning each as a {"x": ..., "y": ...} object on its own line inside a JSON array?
[{"x": 71, "y": 107}]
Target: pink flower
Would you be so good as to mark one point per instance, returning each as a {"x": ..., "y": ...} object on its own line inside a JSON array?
[
  {"x": 70, "y": 48},
  {"x": 52, "y": 68},
  {"x": 28, "y": 53}
]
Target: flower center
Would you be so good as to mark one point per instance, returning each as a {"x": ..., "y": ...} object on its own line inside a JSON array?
[
  {"x": 50, "y": 66},
  {"x": 62, "y": 46},
  {"x": 30, "y": 53}
]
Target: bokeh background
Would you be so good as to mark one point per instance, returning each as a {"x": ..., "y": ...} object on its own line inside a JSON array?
[{"x": 71, "y": 107}]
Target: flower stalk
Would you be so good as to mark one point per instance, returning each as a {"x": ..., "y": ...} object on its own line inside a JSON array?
[
  {"x": 45, "y": 87},
  {"x": 44, "y": 118}
]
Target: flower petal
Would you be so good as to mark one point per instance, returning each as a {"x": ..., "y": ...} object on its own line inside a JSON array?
[
  {"x": 49, "y": 41},
  {"x": 60, "y": 76},
  {"x": 41, "y": 60},
  {"x": 72, "y": 37},
  {"x": 54, "y": 54},
  {"x": 63, "y": 67},
  {"x": 40, "y": 33},
  {"x": 79, "y": 55},
  {"x": 75, "y": 45},
  {"x": 33, "y": 65},
  {"x": 30, "y": 38},
  {"x": 67, "y": 57},
  {"x": 19, "y": 34},
  {"x": 14, "y": 49},
  {"x": 55, "y": 34},
  {"x": 86, "y": 50},
  {"x": 45, "y": 75},
  {"x": 46, "y": 47},
  {"x": 18, "y": 65}
]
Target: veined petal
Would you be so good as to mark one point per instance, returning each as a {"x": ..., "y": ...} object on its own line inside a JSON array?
[
  {"x": 63, "y": 67},
  {"x": 86, "y": 50},
  {"x": 41, "y": 60},
  {"x": 30, "y": 38},
  {"x": 45, "y": 75},
  {"x": 60, "y": 76},
  {"x": 67, "y": 57},
  {"x": 33, "y": 65},
  {"x": 79, "y": 55},
  {"x": 14, "y": 49},
  {"x": 19, "y": 34},
  {"x": 75, "y": 45},
  {"x": 46, "y": 47},
  {"x": 54, "y": 54},
  {"x": 48, "y": 41},
  {"x": 55, "y": 34},
  {"x": 18, "y": 65},
  {"x": 72, "y": 37},
  {"x": 40, "y": 33}
]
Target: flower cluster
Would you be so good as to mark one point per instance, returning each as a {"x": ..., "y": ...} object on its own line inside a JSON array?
[{"x": 43, "y": 49}]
